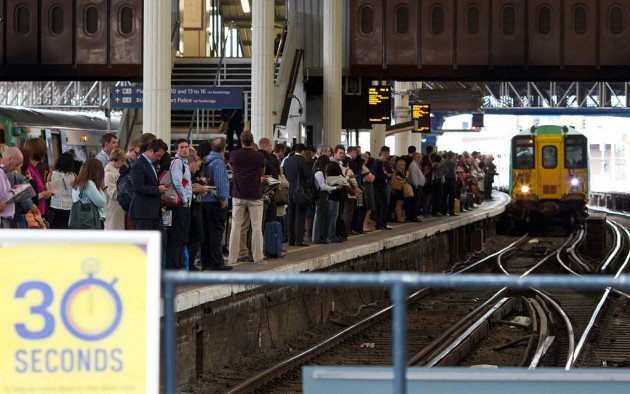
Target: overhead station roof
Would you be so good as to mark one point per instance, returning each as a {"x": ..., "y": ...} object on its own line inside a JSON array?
[
  {"x": 29, "y": 117},
  {"x": 232, "y": 11}
]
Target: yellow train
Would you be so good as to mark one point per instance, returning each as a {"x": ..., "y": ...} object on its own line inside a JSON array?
[{"x": 549, "y": 179}]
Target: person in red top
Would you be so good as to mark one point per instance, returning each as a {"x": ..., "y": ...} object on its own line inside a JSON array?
[{"x": 248, "y": 168}]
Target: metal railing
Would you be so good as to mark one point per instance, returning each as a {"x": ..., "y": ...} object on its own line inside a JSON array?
[{"x": 399, "y": 284}]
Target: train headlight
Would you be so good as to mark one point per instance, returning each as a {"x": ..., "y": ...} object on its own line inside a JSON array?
[
  {"x": 524, "y": 189},
  {"x": 575, "y": 182}
]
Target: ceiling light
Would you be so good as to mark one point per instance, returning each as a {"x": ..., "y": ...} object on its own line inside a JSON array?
[{"x": 245, "y": 5}]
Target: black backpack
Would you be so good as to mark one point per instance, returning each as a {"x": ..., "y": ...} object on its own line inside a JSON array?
[{"x": 124, "y": 188}]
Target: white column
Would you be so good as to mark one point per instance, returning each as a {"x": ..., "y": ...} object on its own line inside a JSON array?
[
  {"x": 156, "y": 76},
  {"x": 263, "y": 14},
  {"x": 401, "y": 100},
  {"x": 333, "y": 63},
  {"x": 377, "y": 139}
]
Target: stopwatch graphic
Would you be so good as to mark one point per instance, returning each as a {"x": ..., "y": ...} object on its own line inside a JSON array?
[{"x": 91, "y": 308}]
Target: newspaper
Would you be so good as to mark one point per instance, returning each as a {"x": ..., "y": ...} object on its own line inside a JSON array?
[{"x": 21, "y": 193}]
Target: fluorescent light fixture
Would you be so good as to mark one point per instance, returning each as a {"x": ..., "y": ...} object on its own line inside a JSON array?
[{"x": 245, "y": 5}]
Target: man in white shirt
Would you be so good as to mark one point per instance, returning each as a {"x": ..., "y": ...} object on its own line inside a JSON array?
[
  {"x": 109, "y": 142},
  {"x": 11, "y": 159}
]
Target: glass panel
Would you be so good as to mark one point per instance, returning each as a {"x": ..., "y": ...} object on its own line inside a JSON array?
[
  {"x": 56, "y": 20},
  {"x": 90, "y": 20},
  {"x": 367, "y": 20},
  {"x": 437, "y": 20},
  {"x": 550, "y": 157},
  {"x": 575, "y": 156},
  {"x": 544, "y": 20},
  {"x": 524, "y": 157},
  {"x": 125, "y": 20},
  {"x": 509, "y": 20},
  {"x": 402, "y": 20}
]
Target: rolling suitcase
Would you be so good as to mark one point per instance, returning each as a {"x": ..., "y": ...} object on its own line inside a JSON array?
[{"x": 273, "y": 239}]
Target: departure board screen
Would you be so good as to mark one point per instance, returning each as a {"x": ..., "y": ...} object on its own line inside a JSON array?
[
  {"x": 422, "y": 114},
  {"x": 379, "y": 104}
]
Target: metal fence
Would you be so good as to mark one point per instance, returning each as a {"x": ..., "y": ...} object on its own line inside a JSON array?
[{"x": 399, "y": 284}]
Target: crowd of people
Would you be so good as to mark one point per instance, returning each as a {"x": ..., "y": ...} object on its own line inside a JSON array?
[{"x": 277, "y": 194}]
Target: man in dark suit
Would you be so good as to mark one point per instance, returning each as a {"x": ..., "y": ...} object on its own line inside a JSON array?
[
  {"x": 145, "y": 207},
  {"x": 298, "y": 173}
]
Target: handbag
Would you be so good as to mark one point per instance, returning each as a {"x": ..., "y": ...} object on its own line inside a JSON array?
[
  {"x": 170, "y": 198},
  {"x": 84, "y": 216},
  {"x": 281, "y": 196},
  {"x": 301, "y": 196},
  {"x": 396, "y": 184},
  {"x": 407, "y": 190},
  {"x": 34, "y": 219}
]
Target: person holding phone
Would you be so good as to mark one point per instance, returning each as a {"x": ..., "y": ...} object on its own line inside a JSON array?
[{"x": 145, "y": 209}]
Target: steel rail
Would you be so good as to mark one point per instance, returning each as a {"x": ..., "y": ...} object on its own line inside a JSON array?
[
  {"x": 600, "y": 306},
  {"x": 444, "y": 344},
  {"x": 613, "y": 254},
  {"x": 299, "y": 359}
]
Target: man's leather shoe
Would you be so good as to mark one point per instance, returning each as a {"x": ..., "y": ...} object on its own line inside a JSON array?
[
  {"x": 301, "y": 244},
  {"x": 222, "y": 268}
]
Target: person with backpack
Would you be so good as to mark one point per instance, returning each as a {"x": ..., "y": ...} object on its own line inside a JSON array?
[
  {"x": 215, "y": 208},
  {"x": 88, "y": 189},
  {"x": 178, "y": 231}
]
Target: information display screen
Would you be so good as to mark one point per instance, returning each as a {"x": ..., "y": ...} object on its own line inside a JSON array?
[
  {"x": 380, "y": 104},
  {"x": 421, "y": 113}
]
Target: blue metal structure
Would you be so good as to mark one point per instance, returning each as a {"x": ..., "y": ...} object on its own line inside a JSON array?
[{"x": 398, "y": 282}]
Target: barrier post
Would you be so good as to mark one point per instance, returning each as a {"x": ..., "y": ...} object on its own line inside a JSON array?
[
  {"x": 170, "y": 374},
  {"x": 399, "y": 329}
]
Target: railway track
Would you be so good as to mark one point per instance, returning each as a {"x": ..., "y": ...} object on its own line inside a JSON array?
[{"x": 553, "y": 328}]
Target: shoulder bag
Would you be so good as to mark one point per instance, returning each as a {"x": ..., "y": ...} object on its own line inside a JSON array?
[
  {"x": 301, "y": 196},
  {"x": 84, "y": 216}
]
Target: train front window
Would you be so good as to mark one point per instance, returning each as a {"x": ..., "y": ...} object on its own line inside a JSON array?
[
  {"x": 575, "y": 156},
  {"x": 550, "y": 157},
  {"x": 524, "y": 157}
]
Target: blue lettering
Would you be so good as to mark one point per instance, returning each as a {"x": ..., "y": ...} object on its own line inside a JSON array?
[
  {"x": 100, "y": 360},
  {"x": 41, "y": 309},
  {"x": 117, "y": 363},
  {"x": 50, "y": 366},
  {"x": 83, "y": 360},
  {"x": 21, "y": 365},
  {"x": 35, "y": 360},
  {"x": 67, "y": 360}
]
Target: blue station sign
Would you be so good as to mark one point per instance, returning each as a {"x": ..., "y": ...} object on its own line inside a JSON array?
[{"x": 182, "y": 97}]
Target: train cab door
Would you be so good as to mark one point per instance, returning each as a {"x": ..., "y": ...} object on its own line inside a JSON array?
[{"x": 550, "y": 158}]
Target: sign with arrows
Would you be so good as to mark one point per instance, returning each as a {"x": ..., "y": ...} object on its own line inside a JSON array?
[{"x": 182, "y": 97}]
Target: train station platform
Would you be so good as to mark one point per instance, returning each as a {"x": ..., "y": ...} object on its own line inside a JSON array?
[{"x": 316, "y": 257}]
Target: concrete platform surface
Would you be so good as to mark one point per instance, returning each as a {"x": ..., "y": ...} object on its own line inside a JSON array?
[{"x": 316, "y": 257}]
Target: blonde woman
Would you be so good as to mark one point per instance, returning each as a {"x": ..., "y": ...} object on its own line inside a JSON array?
[{"x": 114, "y": 214}]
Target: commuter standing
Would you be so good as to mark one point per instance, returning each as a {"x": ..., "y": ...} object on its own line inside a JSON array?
[
  {"x": 145, "y": 209},
  {"x": 11, "y": 160},
  {"x": 114, "y": 214},
  {"x": 417, "y": 181},
  {"x": 380, "y": 189},
  {"x": 490, "y": 171},
  {"x": 215, "y": 208},
  {"x": 298, "y": 173},
  {"x": 248, "y": 167},
  {"x": 109, "y": 142},
  {"x": 178, "y": 231}
]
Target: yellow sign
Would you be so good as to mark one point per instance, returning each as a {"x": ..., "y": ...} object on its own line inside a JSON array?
[
  {"x": 379, "y": 104},
  {"x": 75, "y": 318},
  {"x": 422, "y": 113}
]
